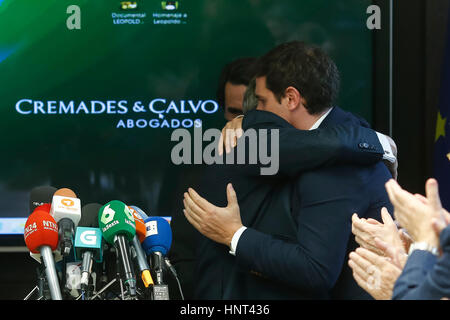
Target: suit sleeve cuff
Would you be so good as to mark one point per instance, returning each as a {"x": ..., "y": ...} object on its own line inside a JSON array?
[
  {"x": 388, "y": 154},
  {"x": 235, "y": 239}
]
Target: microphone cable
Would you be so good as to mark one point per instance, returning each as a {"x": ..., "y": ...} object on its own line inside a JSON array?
[{"x": 175, "y": 275}]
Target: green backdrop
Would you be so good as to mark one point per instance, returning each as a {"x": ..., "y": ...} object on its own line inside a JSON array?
[{"x": 174, "y": 55}]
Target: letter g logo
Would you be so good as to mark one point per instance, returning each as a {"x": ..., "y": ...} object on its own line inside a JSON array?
[{"x": 88, "y": 237}]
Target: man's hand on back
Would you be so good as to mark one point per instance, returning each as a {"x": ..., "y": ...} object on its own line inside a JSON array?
[{"x": 216, "y": 223}]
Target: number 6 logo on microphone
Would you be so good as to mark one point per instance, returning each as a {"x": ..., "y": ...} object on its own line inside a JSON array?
[{"x": 107, "y": 215}]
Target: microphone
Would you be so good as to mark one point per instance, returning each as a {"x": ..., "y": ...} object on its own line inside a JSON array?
[
  {"x": 140, "y": 224},
  {"x": 88, "y": 242},
  {"x": 156, "y": 245},
  {"x": 56, "y": 253},
  {"x": 66, "y": 209},
  {"x": 41, "y": 236},
  {"x": 118, "y": 227},
  {"x": 139, "y": 252},
  {"x": 140, "y": 212},
  {"x": 41, "y": 195}
]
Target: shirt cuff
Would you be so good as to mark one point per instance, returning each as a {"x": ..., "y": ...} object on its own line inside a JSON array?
[
  {"x": 235, "y": 239},
  {"x": 388, "y": 154}
]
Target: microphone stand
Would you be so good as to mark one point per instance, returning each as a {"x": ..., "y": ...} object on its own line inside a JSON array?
[
  {"x": 31, "y": 292},
  {"x": 160, "y": 290},
  {"x": 41, "y": 281},
  {"x": 118, "y": 278},
  {"x": 174, "y": 274},
  {"x": 101, "y": 290},
  {"x": 50, "y": 271},
  {"x": 121, "y": 289}
]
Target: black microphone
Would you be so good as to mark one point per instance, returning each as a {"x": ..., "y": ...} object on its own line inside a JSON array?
[
  {"x": 41, "y": 195},
  {"x": 88, "y": 242}
]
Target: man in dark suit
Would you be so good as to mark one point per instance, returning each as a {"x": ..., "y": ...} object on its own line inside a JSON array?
[
  {"x": 312, "y": 260},
  {"x": 297, "y": 232}
]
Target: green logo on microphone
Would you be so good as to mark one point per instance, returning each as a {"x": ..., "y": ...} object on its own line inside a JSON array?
[
  {"x": 114, "y": 218},
  {"x": 107, "y": 215}
]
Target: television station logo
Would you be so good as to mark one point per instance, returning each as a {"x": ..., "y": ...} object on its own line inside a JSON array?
[
  {"x": 89, "y": 237},
  {"x": 67, "y": 202}
]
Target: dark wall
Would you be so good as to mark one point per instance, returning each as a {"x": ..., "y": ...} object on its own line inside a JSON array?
[
  {"x": 419, "y": 43},
  {"x": 18, "y": 275}
]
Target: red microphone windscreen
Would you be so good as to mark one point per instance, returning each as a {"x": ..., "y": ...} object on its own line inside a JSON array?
[
  {"x": 44, "y": 207},
  {"x": 40, "y": 230}
]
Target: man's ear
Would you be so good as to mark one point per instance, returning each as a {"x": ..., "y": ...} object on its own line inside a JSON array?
[{"x": 294, "y": 98}]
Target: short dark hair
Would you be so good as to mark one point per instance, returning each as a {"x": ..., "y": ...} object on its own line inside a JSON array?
[
  {"x": 239, "y": 71},
  {"x": 307, "y": 68}
]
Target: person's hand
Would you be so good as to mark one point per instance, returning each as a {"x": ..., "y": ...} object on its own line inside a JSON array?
[
  {"x": 440, "y": 224},
  {"x": 230, "y": 133},
  {"x": 406, "y": 239},
  {"x": 366, "y": 231},
  {"x": 415, "y": 215},
  {"x": 216, "y": 223},
  {"x": 374, "y": 273},
  {"x": 395, "y": 254}
]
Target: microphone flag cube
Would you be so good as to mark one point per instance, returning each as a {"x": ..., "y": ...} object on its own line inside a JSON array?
[{"x": 88, "y": 239}]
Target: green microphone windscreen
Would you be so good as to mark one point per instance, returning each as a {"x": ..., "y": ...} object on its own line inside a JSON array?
[{"x": 114, "y": 218}]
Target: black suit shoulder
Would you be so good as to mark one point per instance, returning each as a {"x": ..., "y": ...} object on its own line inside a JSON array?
[{"x": 343, "y": 178}]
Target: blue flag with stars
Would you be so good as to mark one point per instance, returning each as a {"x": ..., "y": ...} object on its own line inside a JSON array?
[{"x": 442, "y": 137}]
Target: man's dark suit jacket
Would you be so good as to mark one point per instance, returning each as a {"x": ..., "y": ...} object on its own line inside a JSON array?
[
  {"x": 425, "y": 276},
  {"x": 298, "y": 230}
]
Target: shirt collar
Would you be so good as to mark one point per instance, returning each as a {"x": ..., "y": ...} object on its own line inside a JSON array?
[{"x": 320, "y": 120}]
